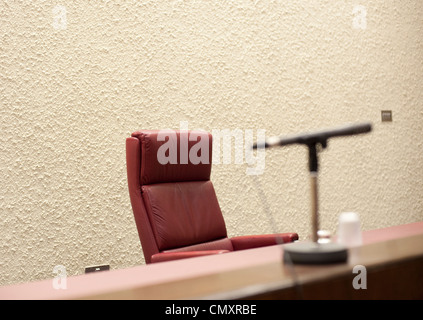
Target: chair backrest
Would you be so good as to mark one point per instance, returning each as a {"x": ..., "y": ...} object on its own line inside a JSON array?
[{"x": 173, "y": 200}]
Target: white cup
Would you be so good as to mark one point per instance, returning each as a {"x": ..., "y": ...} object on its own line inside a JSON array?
[{"x": 349, "y": 231}]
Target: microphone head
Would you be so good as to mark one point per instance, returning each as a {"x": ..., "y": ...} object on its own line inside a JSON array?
[{"x": 259, "y": 145}]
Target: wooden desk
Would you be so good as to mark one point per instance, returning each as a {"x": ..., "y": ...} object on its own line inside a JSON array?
[
  {"x": 393, "y": 258},
  {"x": 394, "y": 270}
]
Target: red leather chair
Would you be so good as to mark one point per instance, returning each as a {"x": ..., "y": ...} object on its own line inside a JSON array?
[{"x": 175, "y": 207}]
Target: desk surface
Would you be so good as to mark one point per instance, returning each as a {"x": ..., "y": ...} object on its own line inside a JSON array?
[{"x": 387, "y": 253}]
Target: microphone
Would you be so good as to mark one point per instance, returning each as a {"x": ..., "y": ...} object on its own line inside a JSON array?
[
  {"x": 304, "y": 252},
  {"x": 311, "y": 138}
]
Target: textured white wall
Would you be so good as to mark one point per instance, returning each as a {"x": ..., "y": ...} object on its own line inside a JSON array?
[{"x": 76, "y": 80}]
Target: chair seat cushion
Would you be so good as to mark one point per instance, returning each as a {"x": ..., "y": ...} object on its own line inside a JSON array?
[{"x": 220, "y": 244}]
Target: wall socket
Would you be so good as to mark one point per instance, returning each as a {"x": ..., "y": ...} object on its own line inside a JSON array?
[
  {"x": 386, "y": 115},
  {"x": 104, "y": 267}
]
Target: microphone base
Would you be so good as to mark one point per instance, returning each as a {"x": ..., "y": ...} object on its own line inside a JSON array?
[{"x": 314, "y": 253}]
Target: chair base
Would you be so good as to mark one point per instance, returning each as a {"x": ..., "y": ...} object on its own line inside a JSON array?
[{"x": 314, "y": 253}]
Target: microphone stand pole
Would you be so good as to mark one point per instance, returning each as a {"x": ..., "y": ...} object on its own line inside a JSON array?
[
  {"x": 313, "y": 164},
  {"x": 314, "y": 252}
]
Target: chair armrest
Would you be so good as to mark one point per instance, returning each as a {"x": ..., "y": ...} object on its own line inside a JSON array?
[
  {"x": 256, "y": 241},
  {"x": 169, "y": 256}
]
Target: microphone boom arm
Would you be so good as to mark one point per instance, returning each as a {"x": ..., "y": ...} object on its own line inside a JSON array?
[{"x": 320, "y": 137}]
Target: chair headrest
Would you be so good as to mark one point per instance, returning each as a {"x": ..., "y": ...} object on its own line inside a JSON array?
[{"x": 174, "y": 155}]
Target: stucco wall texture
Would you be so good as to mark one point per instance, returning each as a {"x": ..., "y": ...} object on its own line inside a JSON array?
[{"x": 77, "y": 77}]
